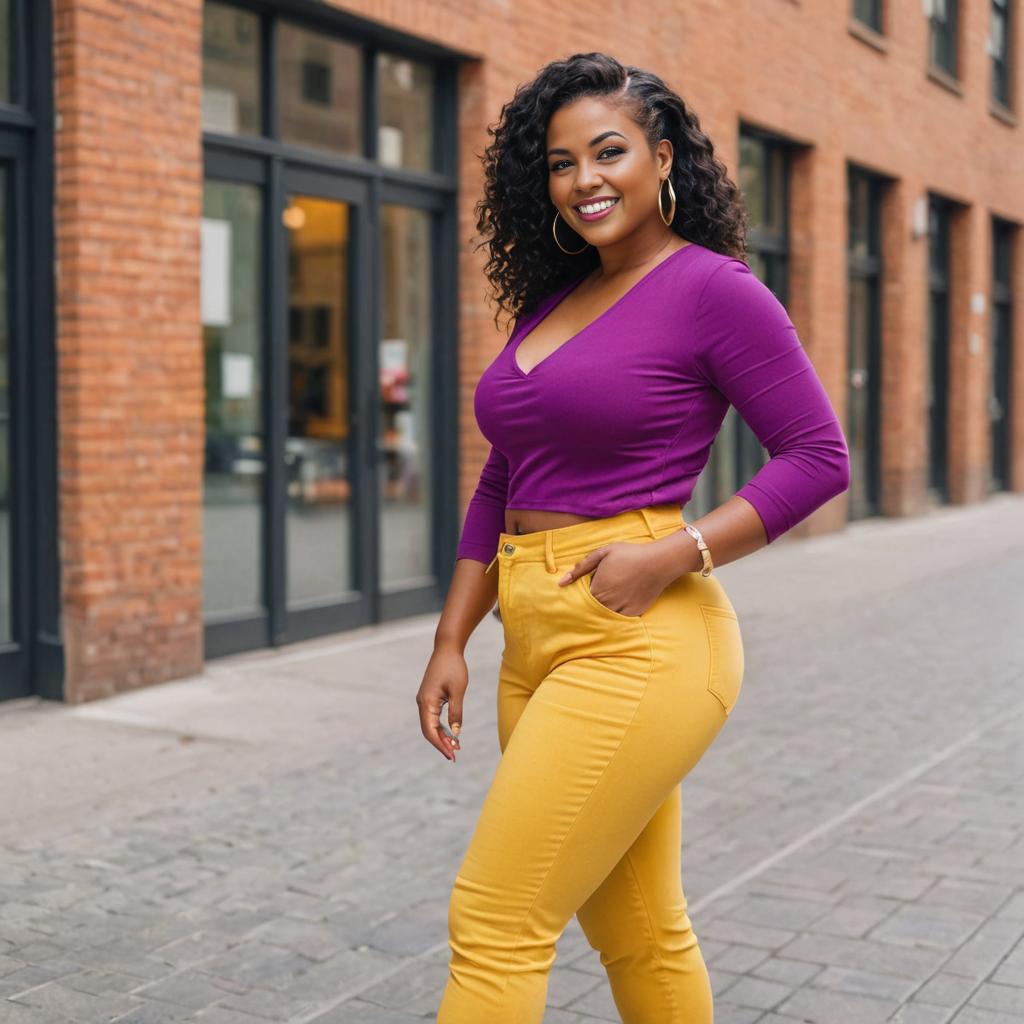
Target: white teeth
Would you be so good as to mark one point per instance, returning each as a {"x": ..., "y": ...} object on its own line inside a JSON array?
[{"x": 597, "y": 207}]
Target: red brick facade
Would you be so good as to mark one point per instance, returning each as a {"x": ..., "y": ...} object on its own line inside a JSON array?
[
  {"x": 128, "y": 204},
  {"x": 130, "y": 387}
]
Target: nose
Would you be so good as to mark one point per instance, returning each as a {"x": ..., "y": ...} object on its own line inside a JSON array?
[{"x": 588, "y": 180}]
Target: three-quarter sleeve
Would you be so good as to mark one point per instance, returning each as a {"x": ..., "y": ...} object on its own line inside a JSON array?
[
  {"x": 485, "y": 515},
  {"x": 748, "y": 349}
]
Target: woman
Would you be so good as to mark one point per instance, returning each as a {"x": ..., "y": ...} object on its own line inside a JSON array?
[{"x": 638, "y": 324}]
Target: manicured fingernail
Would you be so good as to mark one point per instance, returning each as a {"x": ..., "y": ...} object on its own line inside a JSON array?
[{"x": 456, "y": 727}]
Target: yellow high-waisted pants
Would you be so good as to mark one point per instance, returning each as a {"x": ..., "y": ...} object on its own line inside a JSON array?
[{"x": 600, "y": 716}]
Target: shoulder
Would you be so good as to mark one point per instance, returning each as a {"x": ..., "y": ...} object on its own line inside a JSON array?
[
  {"x": 731, "y": 293},
  {"x": 714, "y": 280}
]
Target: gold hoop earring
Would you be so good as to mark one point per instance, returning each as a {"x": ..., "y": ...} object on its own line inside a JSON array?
[
  {"x": 672, "y": 197},
  {"x": 570, "y": 252}
]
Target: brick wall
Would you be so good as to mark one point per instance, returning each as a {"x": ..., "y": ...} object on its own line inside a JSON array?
[{"x": 130, "y": 402}]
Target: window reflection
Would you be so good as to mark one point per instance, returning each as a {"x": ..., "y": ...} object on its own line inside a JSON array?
[
  {"x": 405, "y": 134},
  {"x": 406, "y": 409},
  {"x": 320, "y": 91},
  {"x": 231, "y": 268},
  {"x": 231, "y": 70}
]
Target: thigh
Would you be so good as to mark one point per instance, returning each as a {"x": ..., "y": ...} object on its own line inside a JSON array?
[
  {"x": 596, "y": 749},
  {"x": 514, "y": 691},
  {"x": 643, "y": 893}
]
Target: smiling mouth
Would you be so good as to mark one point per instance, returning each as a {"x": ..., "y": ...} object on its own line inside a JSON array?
[{"x": 589, "y": 209}]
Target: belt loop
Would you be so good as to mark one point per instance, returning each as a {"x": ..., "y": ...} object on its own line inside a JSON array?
[
  {"x": 647, "y": 519},
  {"x": 549, "y": 552}
]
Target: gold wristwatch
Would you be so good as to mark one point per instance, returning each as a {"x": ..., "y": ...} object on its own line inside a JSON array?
[{"x": 701, "y": 547}]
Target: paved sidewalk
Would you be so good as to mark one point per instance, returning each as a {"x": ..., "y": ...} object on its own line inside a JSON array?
[{"x": 275, "y": 841}]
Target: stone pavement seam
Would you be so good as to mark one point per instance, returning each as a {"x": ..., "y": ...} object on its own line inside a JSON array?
[
  {"x": 363, "y": 986},
  {"x": 998, "y": 719}
]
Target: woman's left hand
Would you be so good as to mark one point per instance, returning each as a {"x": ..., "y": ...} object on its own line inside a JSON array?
[{"x": 631, "y": 580}]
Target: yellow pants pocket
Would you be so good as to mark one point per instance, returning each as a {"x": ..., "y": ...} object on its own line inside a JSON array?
[{"x": 725, "y": 654}]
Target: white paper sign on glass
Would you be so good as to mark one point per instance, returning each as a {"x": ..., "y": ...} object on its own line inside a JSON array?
[{"x": 215, "y": 272}]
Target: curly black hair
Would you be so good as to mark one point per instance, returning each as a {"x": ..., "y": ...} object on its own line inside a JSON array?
[{"x": 514, "y": 216}]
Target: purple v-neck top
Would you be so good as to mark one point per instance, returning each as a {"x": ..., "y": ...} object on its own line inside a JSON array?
[{"x": 623, "y": 413}]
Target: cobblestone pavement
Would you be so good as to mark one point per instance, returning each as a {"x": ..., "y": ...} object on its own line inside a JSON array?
[{"x": 274, "y": 840}]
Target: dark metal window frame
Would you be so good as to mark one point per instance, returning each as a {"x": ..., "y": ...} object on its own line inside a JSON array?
[
  {"x": 33, "y": 662},
  {"x": 269, "y": 162}
]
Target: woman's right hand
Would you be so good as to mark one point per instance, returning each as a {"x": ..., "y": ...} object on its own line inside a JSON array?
[{"x": 444, "y": 682}]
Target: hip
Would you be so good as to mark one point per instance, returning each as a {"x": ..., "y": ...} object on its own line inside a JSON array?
[{"x": 691, "y": 632}]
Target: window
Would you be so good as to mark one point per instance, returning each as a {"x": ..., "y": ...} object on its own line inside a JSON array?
[
  {"x": 405, "y": 136},
  {"x": 943, "y": 31},
  {"x": 321, "y": 90},
  {"x": 328, "y": 300},
  {"x": 1000, "y": 399},
  {"x": 316, "y": 82},
  {"x": 231, "y": 71},
  {"x": 231, "y": 278},
  {"x": 869, "y": 12},
  {"x": 940, "y": 227},
  {"x": 999, "y": 35},
  {"x": 864, "y": 343},
  {"x": 29, "y": 574}
]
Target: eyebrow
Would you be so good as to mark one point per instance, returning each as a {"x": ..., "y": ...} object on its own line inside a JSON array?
[{"x": 593, "y": 142}]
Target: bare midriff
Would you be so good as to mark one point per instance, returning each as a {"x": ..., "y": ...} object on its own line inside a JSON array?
[{"x": 530, "y": 520}]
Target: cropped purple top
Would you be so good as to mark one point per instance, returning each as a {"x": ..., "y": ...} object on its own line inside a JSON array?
[{"x": 624, "y": 413}]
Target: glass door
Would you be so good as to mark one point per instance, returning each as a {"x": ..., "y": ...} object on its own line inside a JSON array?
[{"x": 324, "y": 328}]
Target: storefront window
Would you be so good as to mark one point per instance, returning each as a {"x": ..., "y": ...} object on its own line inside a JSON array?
[
  {"x": 405, "y": 134},
  {"x": 320, "y": 84},
  {"x": 231, "y": 71},
  {"x": 231, "y": 273},
  {"x": 406, "y": 410}
]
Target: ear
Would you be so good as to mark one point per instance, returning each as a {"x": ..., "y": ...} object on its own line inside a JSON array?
[{"x": 664, "y": 155}]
